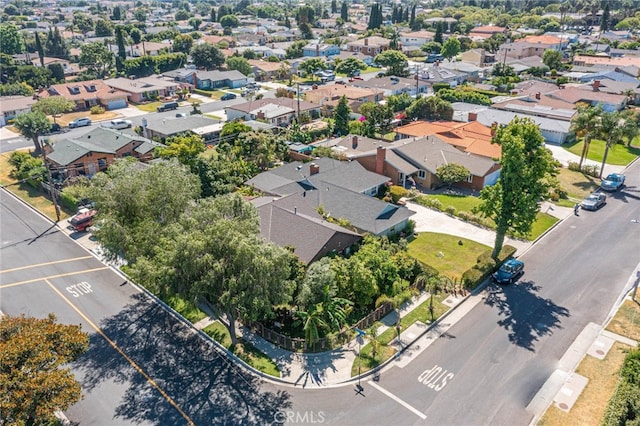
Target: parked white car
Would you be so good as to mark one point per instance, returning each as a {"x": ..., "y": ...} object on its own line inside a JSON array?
[{"x": 117, "y": 124}]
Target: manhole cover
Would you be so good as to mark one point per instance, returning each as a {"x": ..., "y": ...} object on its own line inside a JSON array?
[
  {"x": 563, "y": 406},
  {"x": 600, "y": 352}
]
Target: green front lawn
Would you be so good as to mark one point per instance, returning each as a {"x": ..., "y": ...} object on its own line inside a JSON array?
[
  {"x": 243, "y": 350},
  {"x": 442, "y": 252},
  {"x": 150, "y": 107},
  {"x": 186, "y": 308},
  {"x": 619, "y": 155},
  {"x": 576, "y": 184},
  {"x": 461, "y": 203},
  {"x": 543, "y": 222}
]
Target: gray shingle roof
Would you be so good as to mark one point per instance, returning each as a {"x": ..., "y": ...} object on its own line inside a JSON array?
[
  {"x": 311, "y": 236},
  {"x": 172, "y": 126},
  {"x": 99, "y": 139}
]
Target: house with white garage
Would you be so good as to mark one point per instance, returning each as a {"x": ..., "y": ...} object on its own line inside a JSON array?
[
  {"x": 13, "y": 106},
  {"x": 144, "y": 89},
  {"x": 277, "y": 111},
  {"x": 87, "y": 94}
]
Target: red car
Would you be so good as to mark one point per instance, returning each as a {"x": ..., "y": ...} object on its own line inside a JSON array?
[{"x": 82, "y": 220}]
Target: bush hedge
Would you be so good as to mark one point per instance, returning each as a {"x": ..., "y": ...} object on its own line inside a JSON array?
[
  {"x": 624, "y": 406},
  {"x": 484, "y": 266}
]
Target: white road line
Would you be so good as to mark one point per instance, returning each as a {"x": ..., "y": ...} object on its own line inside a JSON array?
[{"x": 398, "y": 400}]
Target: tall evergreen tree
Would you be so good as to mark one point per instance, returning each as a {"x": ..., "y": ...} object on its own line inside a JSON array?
[
  {"x": 606, "y": 17},
  {"x": 40, "y": 49},
  {"x": 341, "y": 117},
  {"x": 412, "y": 20},
  {"x": 122, "y": 51},
  {"x": 212, "y": 14},
  {"x": 334, "y": 6},
  {"x": 439, "y": 30},
  {"x": 344, "y": 12},
  {"x": 405, "y": 15}
]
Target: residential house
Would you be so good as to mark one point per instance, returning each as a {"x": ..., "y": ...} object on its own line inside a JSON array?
[
  {"x": 531, "y": 46},
  {"x": 13, "y": 106},
  {"x": 538, "y": 105},
  {"x": 369, "y": 45},
  {"x": 367, "y": 59},
  {"x": 320, "y": 49},
  {"x": 144, "y": 89},
  {"x": 394, "y": 85},
  {"x": 163, "y": 128},
  {"x": 415, "y": 39},
  {"x": 226, "y": 41},
  {"x": 265, "y": 70},
  {"x": 441, "y": 74},
  {"x": 343, "y": 190},
  {"x": 308, "y": 233},
  {"x": 484, "y": 32},
  {"x": 554, "y": 131},
  {"x": 146, "y": 48},
  {"x": 276, "y": 111},
  {"x": 414, "y": 162},
  {"x": 608, "y": 101},
  {"x": 208, "y": 80},
  {"x": 472, "y": 137},
  {"x": 478, "y": 57},
  {"x": 627, "y": 86},
  {"x": 89, "y": 93},
  {"x": 94, "y": 151},
  {"x": 329, "y": 96}
]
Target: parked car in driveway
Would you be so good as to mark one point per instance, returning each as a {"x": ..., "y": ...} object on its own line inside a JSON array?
[
  {"x": 613, "y": 182},
  {"x": 80, "y": 122},
  {"x": 509, "y": 272},
  {"x": 594, "y": 201},
  {"x": 117, "y": 124},
  {"x": 228, "y": 96}
]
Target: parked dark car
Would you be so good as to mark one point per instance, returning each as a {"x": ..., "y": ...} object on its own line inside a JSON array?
[
  {"x": 509, "y": 272},
  {"x": 613, "y": 182},
  {"x": 55, "y": 128},
  {"x": 168, "y": 106},
  {"x": 594, "y": 201},
  {"x": 228, "y": 96}
]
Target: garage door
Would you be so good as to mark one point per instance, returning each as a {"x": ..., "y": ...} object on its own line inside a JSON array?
[{"x": 117, "y": 103}]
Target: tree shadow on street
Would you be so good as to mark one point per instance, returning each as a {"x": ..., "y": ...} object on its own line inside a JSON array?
[
  {"x": 525, "y": 315},
  {"x": 191, "y": 371}
]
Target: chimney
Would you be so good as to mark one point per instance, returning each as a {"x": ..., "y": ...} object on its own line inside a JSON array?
[
  {"x": 366, "y": 41},
  {"x": 314, "y": 169},
  {"x": 381, "y": 153},
  {"x": 260, "y": 115},
  {"x": 317, "y": 50},
  {"x": 494, "y": 127},
  {"x": 473, "y": 116},
  {"x": 596, "y": 85},
  {"x": 354, "y": 142},
  {"x": 538, "y": 96}
]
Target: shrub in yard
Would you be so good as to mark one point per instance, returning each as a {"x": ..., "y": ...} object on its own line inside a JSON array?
[
  {"x": 472, "y": 277},
  {"x": 68, "y": 201},
  {"x": 97, "y": 109},
  {"x": 396, "y": 192},
  {"x": 590, "y": 170},
  {"x": 624, "y": 406},
  {"x": 432, "y": 203},
  {"x": 450, "y": 210}
]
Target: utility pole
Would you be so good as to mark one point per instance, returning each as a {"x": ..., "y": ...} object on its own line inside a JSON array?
[{"x": 52, "y": 189}]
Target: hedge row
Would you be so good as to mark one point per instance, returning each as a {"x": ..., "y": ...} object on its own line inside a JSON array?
[
  {"x": 624, "y": 406},
  {"x": 484, "y": 266}
]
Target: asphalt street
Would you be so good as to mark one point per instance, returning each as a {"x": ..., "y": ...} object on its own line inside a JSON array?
[{"x": 143, "y": 366}]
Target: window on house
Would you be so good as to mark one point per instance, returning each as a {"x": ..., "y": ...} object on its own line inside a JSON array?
[
  {"x": 422, "y": 174},
  {"x": 91, "y": 88},
  {"x": 470, "y": 178},
  {"x": 74, "y": 90}
]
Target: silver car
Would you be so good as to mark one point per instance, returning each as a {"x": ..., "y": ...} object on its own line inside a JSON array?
[{"x": 594, "y": 201}]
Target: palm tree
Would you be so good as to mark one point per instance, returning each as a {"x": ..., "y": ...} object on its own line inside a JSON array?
[
  {"x": 586, "y": 124},
  {"x": 313, "y": 323},
  {"x": 611, "y": 129},
  {"x": 394, "y": 39}
]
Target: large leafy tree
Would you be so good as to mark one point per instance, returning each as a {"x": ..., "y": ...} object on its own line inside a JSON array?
[
  {"x": 430, "y": 108},
  {"x": 526, "y": 169},
  {"x": 394, "y": 60},
  {"x": 96, "y": 57},
  {"x": 341, "y": 117},
  {"x": 239, "y": 63},
  {"x": 207, "y": 56},
  {"x": 137, "y": 206},
  {"x": 313, "y": 65},
  {"x": 451, "y": 48},
  {"x": 10, "y": 40},
  {"x": 585, "y": 124},
  {"x": 350, "y": 66},
  {"x": 185, "y": 148},
  {"x": 32, "y": 125},
  {"x": 553, "y": 59},
  {"x": 217, "y": 253},
  {"x": 103, "y": 28},
  {"x": 378, "y": 117},
  {"x": 54, "y": 105},
  {"x": 33, "y": 381}
]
